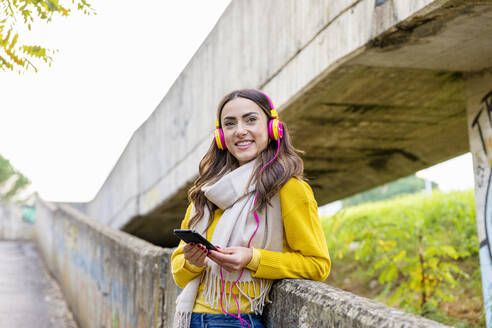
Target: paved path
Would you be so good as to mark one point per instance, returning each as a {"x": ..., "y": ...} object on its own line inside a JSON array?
[{"x": 29, "y": 296}]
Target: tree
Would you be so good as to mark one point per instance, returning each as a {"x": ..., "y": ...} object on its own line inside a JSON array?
[
  {"x": 407, "y": 185},
  {"x": 16, "y": 16},
  {"x": 12, "y": 182}
]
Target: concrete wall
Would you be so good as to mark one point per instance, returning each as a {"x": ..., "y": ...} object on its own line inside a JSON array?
[
  {"x": 479, "y": 108},
  {"x": 112, "y": 279},
  {"x": 280, "y": 46},
  {"x": 109, "y": 278},
  {"x": 12, "y": 224},
  {"x": 310, "y": 304}
]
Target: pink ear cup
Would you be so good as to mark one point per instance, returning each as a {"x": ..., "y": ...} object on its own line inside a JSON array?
[
  {"x": 275, "y": 129},
  {"x": 270, "y": 130},
  {"x": 219, "y": 139},
  {"x": 280, "y": 129},
  {"x": 222, "y": 139}
]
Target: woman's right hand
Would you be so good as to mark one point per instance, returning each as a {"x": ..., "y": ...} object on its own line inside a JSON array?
[{"x": 195, "y": 254}]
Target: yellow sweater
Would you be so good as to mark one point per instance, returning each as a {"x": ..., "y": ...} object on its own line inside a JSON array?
[{"x": 305, "y": 254}]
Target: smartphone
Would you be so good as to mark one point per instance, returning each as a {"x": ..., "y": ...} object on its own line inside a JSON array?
[{"x": 191, "y": 236}]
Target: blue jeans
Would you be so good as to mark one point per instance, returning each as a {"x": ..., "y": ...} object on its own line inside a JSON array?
[{"x": 207, "y": 320}]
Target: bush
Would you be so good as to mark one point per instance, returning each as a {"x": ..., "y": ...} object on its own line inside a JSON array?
[{"x": 412, "y": 245}]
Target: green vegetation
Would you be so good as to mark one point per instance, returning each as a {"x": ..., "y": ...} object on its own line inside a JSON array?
[
  {"x": 406, "y": 185},
  {"x": 18, "y": 15},
  {"x": 417, "y": 252},
  {"x": 12, "y": 182}
]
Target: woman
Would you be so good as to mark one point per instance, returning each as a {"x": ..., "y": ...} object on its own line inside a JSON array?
[{"x": 251, "y": 201}]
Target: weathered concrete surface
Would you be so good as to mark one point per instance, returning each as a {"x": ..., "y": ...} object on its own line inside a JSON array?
[
  {"x": 373, "y": 125},
  {"x": 310, "y": 304},
  {"x": 372, "y": 91},
  {"x": 29, "y": 296},
  {"x": 479, "y": 108},
  {"x": 12, "y": 225},
  {"x": 397, "y": 104},
  {"x": 112, "y": 279},
  {"x": 109, "y": 278}
]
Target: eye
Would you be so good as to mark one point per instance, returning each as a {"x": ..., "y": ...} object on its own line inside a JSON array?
[
  {"x": 252, "y": 119},
  {"x": 228, "y": 123}
]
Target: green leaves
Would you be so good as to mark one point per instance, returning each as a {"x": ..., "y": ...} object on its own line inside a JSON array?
[
  {"x": 17, "y": 14},
  {"x": 389, "y": 273},
  {"x": 441, "y": 251},
  {"x": 411, "y": 245}
]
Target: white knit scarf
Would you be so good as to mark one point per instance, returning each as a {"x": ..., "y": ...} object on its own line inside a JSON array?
[{"x": 234, "y": 228}]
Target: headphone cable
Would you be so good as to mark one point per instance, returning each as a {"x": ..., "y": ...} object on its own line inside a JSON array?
[{"x": 249, "y": 244}]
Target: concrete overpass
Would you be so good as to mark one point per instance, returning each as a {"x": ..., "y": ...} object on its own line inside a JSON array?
[{"x": 371, "y": 90}]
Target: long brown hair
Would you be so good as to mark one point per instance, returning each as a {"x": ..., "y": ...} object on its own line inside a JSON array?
[{"x": 218, "y": 162}]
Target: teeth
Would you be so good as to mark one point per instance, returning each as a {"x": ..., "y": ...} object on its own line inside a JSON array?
[{"x": 244, "y": 143}]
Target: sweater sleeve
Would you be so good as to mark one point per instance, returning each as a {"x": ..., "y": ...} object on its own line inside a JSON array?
[
  {"x": 183, "y": 271},
  {"x": 306, "y": 255}
]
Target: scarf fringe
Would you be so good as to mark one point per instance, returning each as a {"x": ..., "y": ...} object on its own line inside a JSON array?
[
  {"x": 213, "y": 286},
  {"x": 182, "y": 320}
]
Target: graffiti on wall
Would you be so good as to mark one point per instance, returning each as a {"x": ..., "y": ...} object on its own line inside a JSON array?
[
  {"x": 487, "y": 108},
  {"x": 480, "y": 173},
  {"x": 482, "y": 125},
  {"x": 95, "y": 263},
  {"x": 488, "y": 218},
  {"x": 481, "y": 166}
]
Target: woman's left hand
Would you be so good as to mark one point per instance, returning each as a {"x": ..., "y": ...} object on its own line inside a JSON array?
[{"x": 232, "y": 258}]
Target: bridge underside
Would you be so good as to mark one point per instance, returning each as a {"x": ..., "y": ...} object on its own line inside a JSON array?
[
  {"x": 392, "y": 108},
  {"x": 363, "y": 126}
]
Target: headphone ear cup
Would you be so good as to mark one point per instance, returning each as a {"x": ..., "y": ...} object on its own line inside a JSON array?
[
  {"x": 219, "y": 139},
  {"x": 275, "y": 129}
]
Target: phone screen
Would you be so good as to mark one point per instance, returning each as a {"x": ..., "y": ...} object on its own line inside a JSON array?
[{"x": 191, "y": 236}]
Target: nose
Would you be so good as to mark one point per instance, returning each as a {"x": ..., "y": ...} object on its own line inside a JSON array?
[{"x": 241, "y": 129}]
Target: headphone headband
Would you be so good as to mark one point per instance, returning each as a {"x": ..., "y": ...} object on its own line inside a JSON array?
[{"x": 269, "y": 101}]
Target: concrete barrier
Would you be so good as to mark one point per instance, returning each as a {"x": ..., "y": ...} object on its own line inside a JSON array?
[
  {"x": 12, "y": 224},
  {"x": 310, "y": 304},
  {"x": 113, "y": 279},
  {"x": 109, "y": 278}
]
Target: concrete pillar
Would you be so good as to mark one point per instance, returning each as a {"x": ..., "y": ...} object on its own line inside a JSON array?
[{"x": 479, "y": 112}]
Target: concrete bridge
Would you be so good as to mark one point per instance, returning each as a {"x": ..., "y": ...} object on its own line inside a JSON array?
[{"x": 371, "y": 90}]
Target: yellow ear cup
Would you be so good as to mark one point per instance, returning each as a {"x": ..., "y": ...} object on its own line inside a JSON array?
[{"x": 220, "y": 142}]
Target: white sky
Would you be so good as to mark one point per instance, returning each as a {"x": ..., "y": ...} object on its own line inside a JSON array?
[
  {"x": 66, "y": 126},
  {"x": 455, "y": 174}
]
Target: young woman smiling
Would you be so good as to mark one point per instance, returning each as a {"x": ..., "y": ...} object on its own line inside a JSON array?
[{"x": 249, "y": 199}]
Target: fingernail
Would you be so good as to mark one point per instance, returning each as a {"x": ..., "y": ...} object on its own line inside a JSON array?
[{"x": 192, "y": 244}]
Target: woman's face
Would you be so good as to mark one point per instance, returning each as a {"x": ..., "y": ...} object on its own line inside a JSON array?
[{"x": 245, "y": 127}]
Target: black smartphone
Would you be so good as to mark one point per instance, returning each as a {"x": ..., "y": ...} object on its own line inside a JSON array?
[{"x": 191, "y": 236}]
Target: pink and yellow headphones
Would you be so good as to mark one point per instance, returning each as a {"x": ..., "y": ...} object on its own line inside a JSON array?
[{"x": 275, "y": 127}]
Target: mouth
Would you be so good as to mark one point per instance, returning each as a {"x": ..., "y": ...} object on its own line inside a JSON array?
[{"x": 243, "y": 144}]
